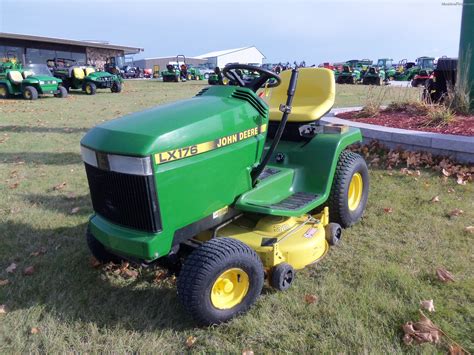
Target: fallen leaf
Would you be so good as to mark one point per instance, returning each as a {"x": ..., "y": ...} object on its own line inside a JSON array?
[
  {"x": 75, "y": 210},
  {"x": 407, "y": 339},
  {"x": 11, "y": 268},
  {"x": 131, "y": 274},
  {"x": 310, "y": 299},
  {"x": 4, "y": 282},
  {"x": 428, "y": 305},
  {"x": 444, "y": 275},
  {"x": 94, "y": 262},
  {"x": 3, "y": 309},
  {"x": 461, "y": 181},
  {"x": 190, "y": 341},
  {"x": 450, "y": 190},
  {"x": 40, "y": 251},
  {"x": 435, "y": 199},
  {"x": 456, "y": 212},
  {"x": 469, "y": 229},
  {"x": 14, "y": 185},
  {"x": 388, "y": 209},
  {"x": 247, "y": 352},
  {"x": 445, "y": 172},
  {"x": 34, "y": 330},
  {"x": 60, "y": 186},
  {"x": 28, "y": 271},
  {"x": 408, "y": 328},
  {"x": 456, "y": 350}
]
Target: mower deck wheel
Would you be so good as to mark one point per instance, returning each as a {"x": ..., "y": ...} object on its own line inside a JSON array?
[
  {"x": 282, "y": 276},
  {"x": 220, "y": 280},
  {"x": 333, "y": 233},
  {"x": 30, "y": 93},
  {"x": 350, "y": 189}
]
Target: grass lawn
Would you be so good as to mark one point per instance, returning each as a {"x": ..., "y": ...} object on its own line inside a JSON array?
[{"x": 366, "y": 288}]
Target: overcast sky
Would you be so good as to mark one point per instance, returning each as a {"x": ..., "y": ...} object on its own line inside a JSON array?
[{"x": 314, "y": 31}]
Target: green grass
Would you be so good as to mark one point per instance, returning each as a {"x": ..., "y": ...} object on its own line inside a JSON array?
[{"x": 367, "y": 288}]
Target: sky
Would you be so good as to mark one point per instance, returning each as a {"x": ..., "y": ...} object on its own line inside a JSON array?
[{"x": 314, "y": 31}]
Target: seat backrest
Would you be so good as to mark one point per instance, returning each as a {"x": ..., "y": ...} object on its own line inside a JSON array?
[
  {"x": 15, "y": 76},
  {"x": 78, "y": 73},
  {"x": 314, "y": 95},
  {"x": 89, "y": 71},
  {"x": 27, "y": 73}
]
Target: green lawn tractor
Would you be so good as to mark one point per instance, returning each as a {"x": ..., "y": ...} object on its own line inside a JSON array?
[
  {"x": 348, "y": 75},
  {"x": 231, "y": 191},
  {"x": 29, "y": 82},
  {"x": 85, "y": 78},
  {"x": 176, "y": 70},
  {"x": 373, "y": 76},
  {"x": 194, "y": 73},
  {"x": 216, "y": 77},
  {"x": 408, "y": 70},
  {"x": 386, "y": 66}
]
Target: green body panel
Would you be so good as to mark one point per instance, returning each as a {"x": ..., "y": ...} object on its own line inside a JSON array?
[
  {"x": 193, "y": 188},
  {"x": 314, "y": 175}
]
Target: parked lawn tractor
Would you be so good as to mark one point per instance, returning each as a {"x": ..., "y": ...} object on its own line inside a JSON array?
[
  {"x": 411, "y": 69},
  {"x": 234, "y": 190},
  {"x": 216, "y": 77},
  {"x": 386, "y": 66},
  {"x": 194, "y": 73},
  {"x": 441, "y": 81},
  {"x": 29, "y": 82},
  {"x": 373, "y": 76},
  {"x": 175, "y": 70},
  {"x": 348, "y": 75},
  {"x": 85, "y": 78}
]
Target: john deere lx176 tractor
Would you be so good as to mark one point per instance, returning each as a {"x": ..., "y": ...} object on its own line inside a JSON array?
[
  {"x": 239, "y": 191},
  {"x": 85, "y": 78},
  {"x": 29, "y": 82}
]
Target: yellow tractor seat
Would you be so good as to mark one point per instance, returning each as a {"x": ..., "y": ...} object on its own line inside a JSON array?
[
  {"x": 78, "y": 73},
  {"x": 27, "y": 73},
  {"x": 89, "y": 71},
  {"x": 314, "y": 95},
  {"x": 15, "y": 76}
]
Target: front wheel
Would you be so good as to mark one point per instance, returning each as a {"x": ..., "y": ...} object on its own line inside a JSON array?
[
  {"x": 62, "y": 92},
  {"x": 3, "y": 91},
  {"x": 220, "y": 280},
  {"x": 350, "y": 190},
  {"x": 90, "y": 88},
  {"x": 116, "y": 87},
  {"x": 30, "y": 93}
]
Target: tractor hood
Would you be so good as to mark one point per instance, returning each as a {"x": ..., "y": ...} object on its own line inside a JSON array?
[{"x": 209, "y": 116}]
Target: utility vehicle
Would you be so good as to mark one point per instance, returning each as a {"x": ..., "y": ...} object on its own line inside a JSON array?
[
  {"x": 236, "y": 190},
  {"x": 85, "y": 78},
  {"x": 29, "y": 82}
]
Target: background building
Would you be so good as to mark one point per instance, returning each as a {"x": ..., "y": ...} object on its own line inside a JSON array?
[
  {"x": 148, "y": 63},
  {"x": 245, "y": 55},
  {"x": 36, "y": 49}
]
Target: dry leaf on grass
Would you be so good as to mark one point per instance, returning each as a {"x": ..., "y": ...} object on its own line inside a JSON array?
[
  {"x": 190, "y": 341},
  {"x": 94, "y": 262},
  {"x": 75, "y": 210},
  {"x": 34, "y": 330},
  {"x": 40, "y": 251},
  {"x": 3, "y": 309},
  {"x": 60, "y": 186},
  {"x": 310, "y": 299},
  {"x": 388, "y": 209},
  {"x": 247, "y": 352},
  {"x": 428, "y": 305},
  {"x": 11, "y": 268},
  {"x": 14, "y": 185},
  {"x": 469, "y": 229},
  {"x": 435, "y": 199},
  {"x": 4, "y": 282},
  {"x": 131, "y": 274},
  {"x": 28, "y": 271},
  {"x": 445, "y": 172},
  {"x": 456, "y": 350},
  {"x": 444, "y": 275},
  {"x": 423, "y": 331},
  {"x": 456, "y": 212},
  {"x": 450, "y": 190}
]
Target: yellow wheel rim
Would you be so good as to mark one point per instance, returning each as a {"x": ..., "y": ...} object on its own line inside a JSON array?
[
  {"x": 88, "y": 89},
  {"x": 354, "y": 195},
  {"x": 230, "y": 288},
  {"x": 3, "y": 91},
  {"x": 27, "y": 94}
]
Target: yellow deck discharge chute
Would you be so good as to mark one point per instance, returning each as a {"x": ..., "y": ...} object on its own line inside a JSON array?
[{"x": 314, "y": 96}]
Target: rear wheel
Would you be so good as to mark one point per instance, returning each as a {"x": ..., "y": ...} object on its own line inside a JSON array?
[
  {"x": 90, "y": 88},
  {"x": 116, "y": 87},
  {"x": 30, "y": 93},
  {"x": 350, "y": 189},
  {"x": 3, "y": 91},
  {"x": 220, "y": 280},
  {"x": 62, "y": 92}
]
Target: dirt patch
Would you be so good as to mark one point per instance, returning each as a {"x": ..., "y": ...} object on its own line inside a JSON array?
[{"x": 461, "y": 125}]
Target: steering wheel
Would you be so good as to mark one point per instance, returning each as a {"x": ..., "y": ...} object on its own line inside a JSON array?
[{"x": 231, "y": 72}]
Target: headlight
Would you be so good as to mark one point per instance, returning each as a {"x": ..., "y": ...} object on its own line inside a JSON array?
[
  {"x": 41, "y": 82},
  {"x": 54, "y": 82},
  {"x": 117, "y": 163}
]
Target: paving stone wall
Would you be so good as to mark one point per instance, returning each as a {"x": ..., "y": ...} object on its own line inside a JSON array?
[{"x": 98, "y": 56}]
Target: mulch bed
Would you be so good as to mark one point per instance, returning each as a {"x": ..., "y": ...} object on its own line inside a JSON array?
[{"x": 462, "y": 125}]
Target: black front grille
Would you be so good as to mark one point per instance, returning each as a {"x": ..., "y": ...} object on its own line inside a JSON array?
[{"x": 127, "y": 200}]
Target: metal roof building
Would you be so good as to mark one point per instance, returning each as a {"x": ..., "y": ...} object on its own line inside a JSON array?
[
  {"x": 244, "y": 55},
  {"x": 38, "y": 49}
]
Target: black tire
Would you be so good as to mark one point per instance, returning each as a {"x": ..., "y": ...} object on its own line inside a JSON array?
[
  {"x": 4, "y": 91},
  {"x": 202, "y": 268},
  {"x": 282, "y": 277},
  {"x": 30, "y": 93},
  {"x": 90, "y": 88},
  {"x": 348, "y": 165},
  {"x": 340, "y": 80},
  {"x": 116, "y": 87},
  {"x": 414, "y": 83},
  {"x": 333, "y": 233},
  {"x": 98, "y": 250},
  {"x": 62, "y": 92}
]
